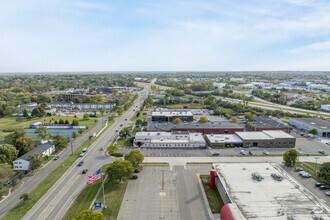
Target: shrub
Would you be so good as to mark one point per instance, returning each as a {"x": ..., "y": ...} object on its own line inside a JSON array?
[{"x": 117, "y": 155}]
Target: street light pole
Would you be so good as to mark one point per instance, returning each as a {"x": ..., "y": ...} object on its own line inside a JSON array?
[{"x": 105, "y": 206}]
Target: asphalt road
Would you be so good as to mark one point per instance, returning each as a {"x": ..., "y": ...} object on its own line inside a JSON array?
[
  {"x": 58, "y": 199},
  {"x": 29, "y": 182}
]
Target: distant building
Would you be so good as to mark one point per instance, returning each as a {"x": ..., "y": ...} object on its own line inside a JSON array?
[
  {"x": 44, "y": 148},
  {"x": 193, "y": 111},
  {"x": 307, "y": 124},
  {"x": 267, "y": 139},
  {"x": 49, "y": 110},
  {"x": 219, "y": 85},
  {"x": 223, "y": 140},
  {"x": 325, "y": 107},
  {"x": 81, "y": 106},
  {"x": 169, "y": 140},
  {"x": 171, "y": 116},
  {"x": 211, "y": 127},
  {"x": 233, "y": 79},
  {"x": 305, "y": 100},
  {"x": 28, "y": 106},
  {"x": 263, "y": 123}
]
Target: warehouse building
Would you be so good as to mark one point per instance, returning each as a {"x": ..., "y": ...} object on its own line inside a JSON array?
[
  {"x": 263, "y": 123},
  {"x": 170, "y": 116},
  {"x": 263, "y": 197},
  {"x": 169, "y": 140},
  {"x": 223, "y": 140},
  {"x": 275, "y": 138},
  {"x": 307, "y": 124},
  {"x": 211, "y": 127}
]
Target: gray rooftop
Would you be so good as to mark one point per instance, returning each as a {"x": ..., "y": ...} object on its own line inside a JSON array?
[
  {"x": 266, "y": 122},
  {"x": 40, "y": 148},
  {"x": 315, "y": 122},
  {"x": 165, "y": 126}
]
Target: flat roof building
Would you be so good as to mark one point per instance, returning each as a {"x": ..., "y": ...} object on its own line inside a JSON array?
[
  {"x": 262, "y": 123},
  {"x": 211, "y": 127},
  {"x": 169, "y": 140},
  {"x": 171, "y": 116},
  {"x": 266, "y": 198},
  {"x": 276, "y": 138},
  {"x": 223, "y": 140},
  {"x": 307, "y": 124}
]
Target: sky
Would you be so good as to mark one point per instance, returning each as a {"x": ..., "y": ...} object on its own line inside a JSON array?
[{"x": 164, "y": 35}]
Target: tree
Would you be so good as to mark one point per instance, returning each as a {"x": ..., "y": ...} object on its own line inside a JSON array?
[
  {"x": 41, "y": 132},
  {"x": 35, "y": 112},
  {"x": 24, "y": 145},
  {"x": 177, "y": 121},
  {"x": 101, "y": 110},
  {"x": 80, "y": 131},
  {"x": 86, "y": 116},
  {"x": 138, "y": 122},
  {"x": 89, "y": 215},
  {"x": 135, "y": 157},
  {"x": 99, "y": 98},
  {"x": 125, "y": 132},
  {"x": 290, "y": 157},
  {"x": 111, "y": 117},
  {"x": 119, "y": 169},
  {"x": 112, "y": 148},
  {"x": 234, "y": 119},
  {"x": 115, "y": 92},
  {"x": 250, "y": 127},
  {"x": 248, "y": 116},
  {"x": 74, "y": 134},
  {"x": 75, "y": 122},
  {"x": 119, "y": 110},
  {"x": 60, "y": 142},
  {"x": 144, "y": 123},
  {"x": 202, "y": 119},
  {"x": 324, "y": 172},
  {"x": 11, "y": 138},
  {"x": 8, "y": 153},
  {"x": 25, "y": 197},
  {"x": 314, "y": 131},
  {"x": 67, "y": 122},
  {"x": 25, "y": 113},
  {"x": 35, "y": 160},
  {"x": 61, "y": 121},
  {"x": 5, "y": 171}
]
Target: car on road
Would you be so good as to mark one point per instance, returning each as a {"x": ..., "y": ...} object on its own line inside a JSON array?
[
  {"x": 327, "y": 193},
  {"x": 81, "y": 154},
  {"x": 250, "y": 152},
  {"x": 7, "y": 183},
  {"x": 328, "y": 143},
  {"x": 324, "y": 187},
  {"x": 215, "y": 154},
  {"x": 84, "y": 171},
  {"x": 121, "y": 125},
  {"x": 134, "y": 177},
  {"x": 321, "y": 151},
  {"x": 136, "y": 171},
  {"x": 116, "y": 130},
  {"x": 125, "y": 119},
  {"x": 298, "y": 169},
  {"x": 265, "y": 152},
  {"x": 299, "y": 152},
  {"x": 242, "y": 152},
  {"x": 102, "y": 148},
  {"x": 80, "y": 163},
  {"x": 317, "y": 184},
  {"x": 56, "y": 157}
]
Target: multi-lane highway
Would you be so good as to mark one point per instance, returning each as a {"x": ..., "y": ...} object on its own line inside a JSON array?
[{"x": 58, "y": 199}]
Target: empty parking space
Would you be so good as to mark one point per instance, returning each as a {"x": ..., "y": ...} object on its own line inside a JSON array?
[{"x": 161, "y": 193}]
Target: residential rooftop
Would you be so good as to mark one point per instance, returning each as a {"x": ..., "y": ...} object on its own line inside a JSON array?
[
  {"x": 39, "y": 148},
  {"x": 268, "y": 198}
]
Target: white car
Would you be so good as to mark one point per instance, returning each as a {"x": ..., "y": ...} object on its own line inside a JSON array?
[
  {"x": 242, "y": 152},
  {"x": 327, "y": 193},
  {"x": 265, "y": 152}
]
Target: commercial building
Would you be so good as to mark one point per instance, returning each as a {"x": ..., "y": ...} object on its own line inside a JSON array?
[
  {"x": 43, "y": 147},
  {"x": 169, "y": 140},
  {"x": 275, "y": 138},
  {"x": 325, "y": 107},
  {"x": 248, "y": 198},
  {"x": 81, "y": 106},
  {"x": 171, "y": 116},
  {"x": 223, "y": 140},
  {"x": 194, "y": 111},
  {"x": 263, "y": 123},
  {"x": 307, "y": 124},
  {"x": 211, "y": 127}
]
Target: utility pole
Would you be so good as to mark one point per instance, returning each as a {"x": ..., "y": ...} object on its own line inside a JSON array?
[
  {"x": 316, "y": 164},
  {"x": 71, "y": 147}
]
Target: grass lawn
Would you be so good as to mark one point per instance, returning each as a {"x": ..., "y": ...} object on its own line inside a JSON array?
[
  {"x": 213, "y": 196},
  {"x": 114, "y": 194},
  {"x": 83, "y": 201},
  {"x": 20, "y": 209},
  {"x": 124, "y": 143}
]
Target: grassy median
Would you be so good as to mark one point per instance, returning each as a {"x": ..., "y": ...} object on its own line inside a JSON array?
[{"x": 212, "y": 195}]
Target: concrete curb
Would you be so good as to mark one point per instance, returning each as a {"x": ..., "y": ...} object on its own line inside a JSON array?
[{"x": 204, "y": 197}]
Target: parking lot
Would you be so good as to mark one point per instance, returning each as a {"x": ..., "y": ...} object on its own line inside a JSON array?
[
  {"x": 161, "y": 193},
  {"x": 309, "y": 183},
  {"x": 169, "y": 152}
]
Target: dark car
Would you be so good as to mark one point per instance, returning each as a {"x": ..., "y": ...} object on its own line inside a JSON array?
[
  {"x": 84, "y": 171},
  {"x": 277, "y": 177},
  {"x": 121, "y": 125},
  {"x": 102, "y": 148},
  {"x": 56, "y": 157},
  {"x": 323, "y": 187},
  {"x": 134, "y": 177},
  {"x": 136, "y": 171},
  {"x": 215, "y": 154},
  {"x": 80, "y": 163},
  {"x": 250, "y": 152},
  {"x": 321, "y": 151},
  {"x": 298, "y": 169},
  {"x": 317, "y": 184}
]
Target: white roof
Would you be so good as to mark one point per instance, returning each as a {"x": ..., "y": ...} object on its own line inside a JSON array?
[
  {"x": 223, "y": 138},
  {"x": 267, "y": 198},
  {"x": 278, "y": 134},
  {"x": 171, "y": 114},
  {"x": 254, "y": 135}
]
